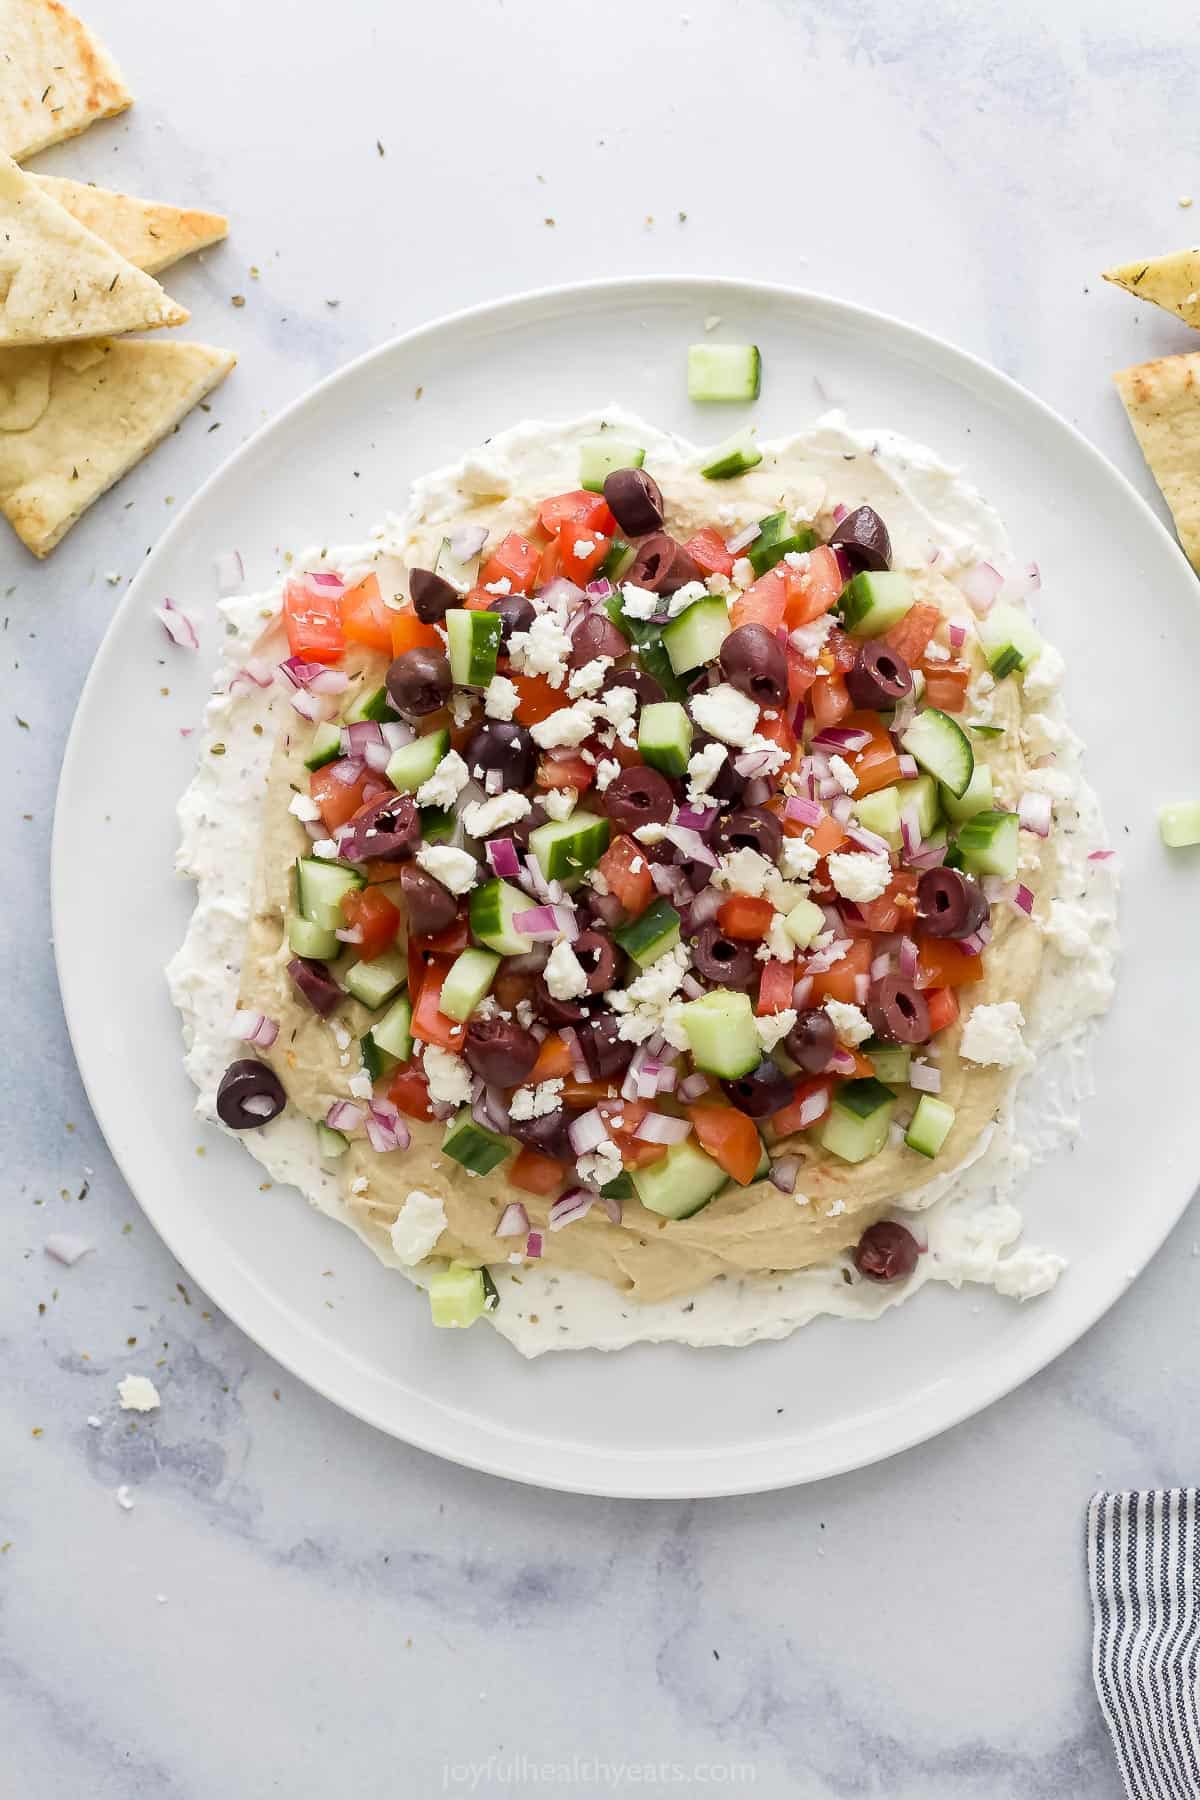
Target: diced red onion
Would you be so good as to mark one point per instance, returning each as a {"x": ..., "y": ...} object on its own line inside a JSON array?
[
  {"x": 396, "y": 734},
  {"x": 358, "y": 737},
  {"x": 575, "y": 1205},
  {"x": 587, "y": 1131},
  {"x": 841, "y": 1062},
  {"x": 502, "y": 857},
  {"x": 758, "y": 791},
  {"x": 907, "y": 956},
  {"x": 908, "y": 767},
  {"x": 329, "y": 681},
  {"x": 668, "y": 1078},
  {"x": 1100, "y": 855},
  {"x": 533, "y": 1245},
  {"x": 612, "y": 1207},
  {"x": 784, "y": 1172},
  {"x": 323, "y": 578},
  {"x": 661, "y": 1128},
  {"x": 692, "y": 1086},
  {"x": 923, "y": 1079},
  {"x": 928, "y": 858},
  {"x": 300, "y": 673},
  {"x": 1024, "y": 899},
  {"x": 696, "y": 818},
  {"x": 309, "y": 706},
  {"x": 839, "y": 513},
  {"x": 705, "y": 907},
  {"x": 691, "y": 843},
  {"x": 255, "y": 1028},
  {"x": 672, "y": 882},
  {"x": 467, "y": 541},
  {"x": 807, "y": 812},
  {"x": 867, "y": 840},
  {"x": 489, "y": 1110},
  {"x": 751, "y": 765},
  {"x": 958, "y": 634},
  {"x": 881, "y": 966},
  {"x": 349, "y": 934},
  {"x": 177, "y": 625},
  {"x": 736, "y": 544},
  {"x": 862, "y": 988},
  {"x": 513, "y": 1221},
  {"x": 1036, "y": 814},
  {"x": 842, "y": 808},
  {"x": 347, "y": 770},
  {"x": 837, "y": 738},
  {"x": 579, "y": 1068},
  {"x": 910, "y": 830},
  {"x": 599, "y": 590},
  {"x": 532, "y": 879},
  {"x": 607, "y": 907},
  {"x": 255, "y": 673},
  {"x": 981, "y": 584},
  {"x": 545, "y": 923},
  {"x": 798, "y": 718},
  {"x": 802, "y": 992},
  {"x": 230, "y": 572},
  {"x": 261, "y": 1106},
  {"x": 386, "y": 1130},
  {"x": 343, "y": 1115},
  {"x": 561, "y": 592},
  {"x": 974, "y": 943},
  {"x": 811, "y": 1108}
]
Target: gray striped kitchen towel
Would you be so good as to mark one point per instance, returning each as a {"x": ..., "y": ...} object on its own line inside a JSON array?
[{"x": 1144, "y": 1565}]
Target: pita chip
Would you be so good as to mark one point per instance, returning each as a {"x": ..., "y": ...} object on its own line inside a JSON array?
[
  {"x": 59, "y": 280},
  {"x": 74, "y": 418},
  {"x": 1172, "y": 282},
  {"x": 149, "y": 235},
  {"x": 1163, "y": 402},
  {"x": 56, "y": 79}
]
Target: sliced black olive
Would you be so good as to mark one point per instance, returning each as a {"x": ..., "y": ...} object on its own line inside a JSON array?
[
  {"x": 250, "y": 1095},
  {"x": 555, "y": 1012},
  {"x": 898, "y": 1011},
  {"x": 431, "y": 907},
  {"x": 313, "y": 982},
  {"x": 750, "y": 828},
  {"x": 547, "y": 1134},
  {"x": 499, "y": 1051},
  {"x": 389, "y": 827},
  {"x": 763, "y": 1091},
  {"x": 598, "y": 959},
  {"x": 649, "y": 692},
  {"x": 752, "y": 660},
  {"x": 723, "y": 961},
  {"x": 638, "y": 796},
  {"x": 605, "y": 1052},
  {"x": 634, "y": 500},
  {"x": 950, "y": 904},
  {"x": 431, "y": 596},
  {"x": 886, "y": 1252},
  {"x": 662, "y": 565},
  {"x": 880, "y": 678},
  {"x": 516, "y": 614},
  {"x": 727, "y": 785},
  {"x": 595, "y": 635},
  {"x": 521, "y": 832},
  {"x": 863, "y": 536},
  {"x": 812, "y": 1040},
  {"x": 419, "y": 682},
  {"x": 503, "y": 745}
]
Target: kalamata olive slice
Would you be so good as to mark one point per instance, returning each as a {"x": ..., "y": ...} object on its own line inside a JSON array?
[
  {"x": 431, "y": 596},
  {"x": 638, "y": 796},
  {"x": 500, "y": 1051},
  {"x": 605, "y": 1052},
  {"x": 722, "y": 960},
  {"x": 634, "y": 500},
  {"x": 886, "y": 1252},
  {"x": 547, "y": 1134},
  {"x": 898, "y": 1011},
  {"x": 313, "y": 982},
  {"x": 389, "y": 827},
  {"x": 431, "y": 907},
  {"x": 863, "y": 536},
  {"x": 595, "y": 635},
  {"x": 250, "y": 1095},
  {"x": 750, "y": 828},
  {"x": 662, "y": 565},
  {"x": 752, "y": 660},
  {"x": 555, "y": 1012},
  {"x": 598, "y": 958},
  {"x": 419, "y": 682},
  {"x": 727, "y": 785},
  {"x": 950, "y": 904},
  {"x": 516, "y": 614},
  {"x": 812, "y": 1040},
  {"x": 763, "y": 1091},
  {"x": 880, "y": 678},
  {"x": 521, "y": 832},
  {"x": 503, "y": 745},
  {"x": 649, "y": 692}
]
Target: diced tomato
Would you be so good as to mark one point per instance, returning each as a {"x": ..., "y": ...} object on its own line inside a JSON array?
[
  {"x": 877, "y": 768},
  {"x": 537, "y": 699},
  {"x": 553, "y": 1063},
  {"x": 946, "y": 685},
  {"x": 895, "y": 908},
  {"x": 812, "y": 591},
  {"x": 380, "y": 872},
  {"x": 625, "y": 869},
  {"x": 510, "y": 988},
  {"x": 565, "y": 769},
  {"x": 337, "y": 801},
  {"x": 623, "y": 1118},
  {"x": 370, "y": 912},
  {"x": 535, "y": 1173},
  {"x": 765, "y": 602},
  {"x": 941, "y": 964},
  {"x": 863, "y": 1065},
  {"x": 408, "y": 633},
  {"x": 365, "y": 617},
  {"x": 479, "y": 600},
  {"x": 802, "y": 672},
  {"x": 409, "y": 1090},
  {"x": 514, "y": 559},
  {"x": 827, "y": 836},
  {"x": 729, "y": 1137},
  {"x": 744, "y": 917},
  {"x": 828, "y": 701},
  {"x": 313, "y": 621},
  {"x": 839, "y": 982},
  {"x": 707, "y": 550},
  {"x": 775, "y": 987},
  {"x": 449, "y": 942},
  {"x": 581, "y": 552},
  {"x": 912, "y": 633},
  {"x": 429, "y": 1024},
  {"x": 579, "y": 508},
  {"x": 548, "y": 563},
  {"x": 579, "y": 1095},
  {"x": 943, "y": 1008},
  {"x": 788, "y": 1119},
  {"x": 777, "y": 731}
]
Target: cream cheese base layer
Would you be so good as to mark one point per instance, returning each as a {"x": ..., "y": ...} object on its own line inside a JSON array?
[{"x": 965, "y": 1217}]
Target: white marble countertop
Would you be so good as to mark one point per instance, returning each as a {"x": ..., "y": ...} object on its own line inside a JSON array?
[{"x": 297, "y": 1605}]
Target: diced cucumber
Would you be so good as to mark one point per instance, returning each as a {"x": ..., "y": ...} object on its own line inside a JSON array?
[
  {"x": 457, "y": 1296},
  {"x": 651, "y": 935},
  {"x": 942, "y": 748},
  {"x": 393, "y": 1033},
  {"x": 621, "y": 557},
  {"x": 468, "y": 980},
  {"x": 412, "y": 765},
  {"x": 493, "y": 908},
  {"x": 721, "y": 1034},
  {"x": 989, "y": 844},
  {"x": 874, "y": 602},
  {"x": 891, "y": 1062},
  {"x": 375, "y": 982},
  {"x": 880, "y": 812},
  {"x": 777, "y": 538},
  {"x": 695, "y": 637},
  {"x": 599, "y": 456},
  {"x": 857, "y": 1125},
  {"x": 470, "y": 1144},
  {"x": 311, "y": 941},
  {"x": 976, "y": 798},
  {"x": 679, "y": 1183},
  {"x": 723, "y": 372},
  {"x": 1179, "y": 824},
  {"x": 326, "y": 745},
  {"x": 474, "y": 645},
  {"x": 665, "y": 736},
  {"x": 460, "y": 573},
  {"x": 438, "y": 824},
  {"x": 320, "y": 889},
  {"x": 375, "y": 1061},
  {"x": 985, "y": 731},
  {"x": 330, "y": 1143},
  {"x": 619, "y": 1188},
  {"x": 737, "y": 454},
  {"x": 1009, "y": 638},
  {"x": 567, "y": 848},
  {"x": 922, "y": 796},
  {"x": 805, "y": 922},
  {"x": 930, "y": 1126},
  {"x": 372, "y": 703}
]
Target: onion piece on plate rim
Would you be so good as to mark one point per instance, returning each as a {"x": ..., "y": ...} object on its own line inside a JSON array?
[{"x": 177, "y": 625}]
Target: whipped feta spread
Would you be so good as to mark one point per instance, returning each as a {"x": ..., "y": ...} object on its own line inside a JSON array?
[{"x": 964, "y": 1218}]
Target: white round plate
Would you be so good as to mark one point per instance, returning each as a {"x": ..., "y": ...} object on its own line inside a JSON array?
[{"x": 1117, "y": 597}]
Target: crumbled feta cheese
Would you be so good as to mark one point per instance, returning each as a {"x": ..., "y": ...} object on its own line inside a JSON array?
[
  {"x": 1049, "y": 781},
  {"x": 361, "y": 1085},
  {"x": 461, "y": 708},
  {"x": 843, "y": 774},
  {"x": 455, "y": 869},
  {"x": 703, "y": 769},
  {"x": 565, "y": 728},
  {"x": 536, "y": 1102},
  {"x": 777, "y": 944},
  {"x": 936, "y": 653},
  {"x": 525, "y": 1013},
  {"x": 325, "y": 848},
  {"x": 589, "y": 679},
  {"x": 618, "y": 707},
  {"x": 601, "y": 1165},
  {"x": 726, "y": 714},
  {"x": 448, "y": 1076},
  {"x": 417, "y": 1227},
  {"x": 638, "y": 603},
  {"x": 743, "y": 573},
  {"x": 774, "y": 755},
  {"x": 303, "y": 806},
  {"x": 686, "y": 596},
  {"x": 503, "y": 586},
  {"x": 500, "y": 698},
  {"x": 596, "y": 880},
  {"x": 649, "y": 1004},
  {"x": 650, "y": 834},
  {"x": 772, "y": 1028},
  {"x": 137, "y": 1394},
  {"x": 859, "y": 875},
  {"x": 482, "y": 817},
  {"x": 359, "y": 1185},
  {"x": 1069, "y": 928},
  {"x": 482, "y": 474},
  {"x": 564, "y": 975},
  {"x": 850, "y": 1022},
  {"x": 559, "y": 803},
  {"x": 1044, "y": 675},
  {"x": 542, "y": 650},
  {"x": 797, "y": 858},
  {"x": 341, "y": 1036},
  {"x": 583, "y": 548},
  {"x": 992, "y": 1034},
  {"x": 446, "y": 783},
  {"x": 607, "y": 771},
  {"x": 743, "y": 872}
]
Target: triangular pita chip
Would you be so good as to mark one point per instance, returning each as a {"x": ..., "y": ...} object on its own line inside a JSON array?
[
  {"x": 149, "y": 235},
  {"x": 56, "y": 79},
  {"x": 1163, "y": 402},
  {"x": 74, "y": 418},
  {"x": 59, "y": 280},
  {"x": 1172, "y": 282}
]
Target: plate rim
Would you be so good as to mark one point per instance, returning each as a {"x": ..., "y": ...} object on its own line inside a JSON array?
[{"x": 626, "y": 1467}]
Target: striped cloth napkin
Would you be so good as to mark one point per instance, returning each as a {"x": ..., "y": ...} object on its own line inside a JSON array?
[{"x": 1144, "y": 1566}]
